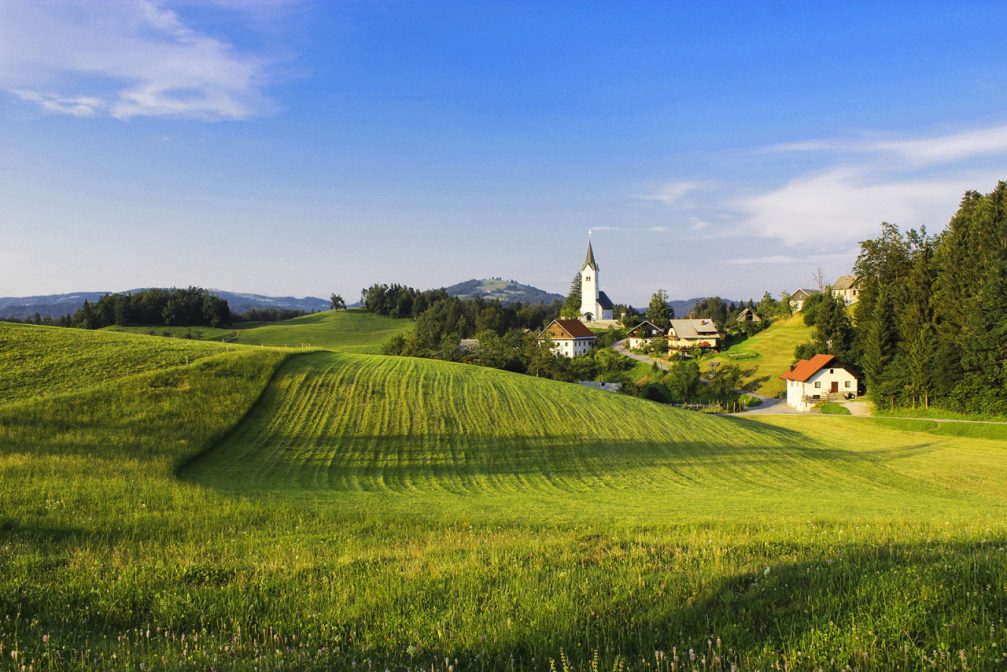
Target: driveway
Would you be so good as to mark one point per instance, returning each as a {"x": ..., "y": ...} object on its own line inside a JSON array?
[{"x": 620, "y": 347}]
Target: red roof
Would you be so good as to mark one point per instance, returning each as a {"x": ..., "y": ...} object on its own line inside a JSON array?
[{"x": 806, "y": 368}]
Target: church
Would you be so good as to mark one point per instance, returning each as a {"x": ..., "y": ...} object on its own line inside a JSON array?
[{"x": 594, "y": 303}]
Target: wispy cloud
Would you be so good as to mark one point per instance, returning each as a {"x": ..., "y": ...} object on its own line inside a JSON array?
[
  {"x": 675, "y": 193},
  {"x": 847, "y": 204},
  {"x": 918, "y": 152},
  {"x": 124, "y": 59},
  {"x": 602, "y": 228}
]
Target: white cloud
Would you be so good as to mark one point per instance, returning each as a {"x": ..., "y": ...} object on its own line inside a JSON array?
[
  {"x": 844, "y": 205},
  {"x": 124, "y": 59},
  {"x": 602, "y": 228},
  {"x": 918, "y": 152},
  {"x": 675, "y": 193}
]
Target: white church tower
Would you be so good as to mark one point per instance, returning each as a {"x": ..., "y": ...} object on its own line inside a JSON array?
[{"x": 594, "y": 303}]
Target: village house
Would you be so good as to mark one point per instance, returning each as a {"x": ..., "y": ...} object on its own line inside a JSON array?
[
  {"x": 642, "y": 333},
  {"x": 569, "y": 338},
  {"x": 749, "y": 315},
  {"x": 821, "y": 378},
  {"x": 798, "y": 298},
  {"x": 847, "y": 288},
  {"x": 688, "y": 334},
  {"x": 594, "y": 303}
]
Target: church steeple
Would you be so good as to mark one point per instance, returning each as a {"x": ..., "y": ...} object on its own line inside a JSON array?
[{"x": 589, "y": 261}]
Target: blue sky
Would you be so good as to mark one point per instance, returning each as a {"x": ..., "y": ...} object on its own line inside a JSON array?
[{"x": 309, "y": 147}]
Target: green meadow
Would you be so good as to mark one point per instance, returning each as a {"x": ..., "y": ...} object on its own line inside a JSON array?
[
  {"x": 764, "y": 357},
  {"x": 170, "y": 504},
  {"x": 347, "y": 330}
]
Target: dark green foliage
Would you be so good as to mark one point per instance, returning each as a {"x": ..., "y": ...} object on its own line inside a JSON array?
[
  {"x": 833, "y": 330},
  {"x": 571, "y": 306},
  {"x": 659, "y": 313},
  {"x": 193, "y": 306},
  {"x": 810, "y": 309},
  {"x": 713, "y": 308},
  {"x": 683, "y": 381},
  {"x": 932, "y": 315},
  {"x": 336, "y": 302}
]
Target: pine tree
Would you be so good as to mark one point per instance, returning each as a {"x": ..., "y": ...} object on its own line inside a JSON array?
[
  {"x": 571, "y": 307},
  {"x": 880, "y": 348},
  {"x": 659, "y": 313}
]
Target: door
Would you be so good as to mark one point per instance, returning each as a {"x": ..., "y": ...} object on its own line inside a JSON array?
[{"x": 835, "y": 387}]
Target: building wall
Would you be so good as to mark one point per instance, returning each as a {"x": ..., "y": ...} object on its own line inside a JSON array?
[
  {"x": 589, "y": 283},
  {"x": 675, "y": 343},
  {"x": 820, "y": 384},
  {"x": 568, "y": 347},
  {"x": 849, "y": 296}
]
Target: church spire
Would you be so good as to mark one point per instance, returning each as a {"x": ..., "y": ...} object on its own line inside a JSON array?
[{"x": 589, "y": 259}]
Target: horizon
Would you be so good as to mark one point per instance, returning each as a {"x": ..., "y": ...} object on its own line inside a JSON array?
[{"x": 298, "y": 148}]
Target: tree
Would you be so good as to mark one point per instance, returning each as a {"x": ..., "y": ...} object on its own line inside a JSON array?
[
  {"x": 683, "y": 381},
  {"x": 659, "y": 313},
  {"x": 833, "y": 331},
  {"x": 880, "y": 348},
  {"x": 571, "y": 307},
  {"x": 336, "y": 302}
]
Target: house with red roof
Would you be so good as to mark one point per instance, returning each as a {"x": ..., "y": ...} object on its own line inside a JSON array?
[
  {"x": 569, "y": 338},
  {"x": 821, "y": 378}
]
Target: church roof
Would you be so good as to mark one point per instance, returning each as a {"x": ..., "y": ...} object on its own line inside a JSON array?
[
  {"x": 604, "y": 301},
  {"x": 589, "y": 259}
]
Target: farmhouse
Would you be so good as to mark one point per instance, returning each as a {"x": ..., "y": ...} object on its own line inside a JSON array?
[
  {"x": 643, "y": 332},
  {"x": 818, "y": 379},
  {"x": 847, "y": 288},
  {"x": 594, "y": 303},
  {"x": 569, "y": 337},
  {"x": 687, "y": 334},
  {"x": 798, "y": 298},
  {"x": 749, "y": 315}
]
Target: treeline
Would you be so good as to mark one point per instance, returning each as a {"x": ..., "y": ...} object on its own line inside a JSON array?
[
  {"x": 443, "y": 320},
  {"x": 931, "y": 322},
  {"x": 192, "y": 306}
]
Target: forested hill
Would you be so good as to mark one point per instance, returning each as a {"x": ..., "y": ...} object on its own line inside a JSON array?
[
  {"x": 507, "y": 291},
  {"x": 57, "y": 305}
]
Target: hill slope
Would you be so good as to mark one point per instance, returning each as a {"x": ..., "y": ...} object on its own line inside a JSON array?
[
  {"x": 345, "y": 330},
  {"x": 424, "y": 433},
  {"x": 766, "y": 356},
  {"x": 390, "y": 513},
  {"x": 506, "y": 291}
]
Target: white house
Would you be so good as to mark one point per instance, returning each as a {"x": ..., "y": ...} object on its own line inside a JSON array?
[
  {"x": 639, "y": 335},
  {"x": 594, "y": 303},
  {"x": 569, "y": 337},
  {"x": 821, "y": 378},
  {"x": 798, "y": 298},
  {"x": 688, "y": 334},
  {"x": 847, "y": 288}
]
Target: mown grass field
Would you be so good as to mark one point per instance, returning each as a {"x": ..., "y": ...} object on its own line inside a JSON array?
[
  {"x": 765, "y": 356},
  {"x": 259, "y": 508},
  {"x": 344, "y": 330}
]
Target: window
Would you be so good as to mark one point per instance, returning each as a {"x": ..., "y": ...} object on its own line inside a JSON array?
[
  {"x": 848, "y": 384},
  {"x": 818, "y": 384},
  {"x": 587, "y": 278},
  {"x": 832, "y": 370}
]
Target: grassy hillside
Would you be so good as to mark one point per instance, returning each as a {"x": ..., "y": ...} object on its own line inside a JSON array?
[
  {"x": 43, "y": 361},
  {"x": 765, "y": 357},
  {"x": 345, "y": 330},
  {"x": 354, "y": 511}
]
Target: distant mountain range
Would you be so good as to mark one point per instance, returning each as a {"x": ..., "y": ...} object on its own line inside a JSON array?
[
  {"x": 507, "y": 291},
  {"x": 57, "y": 305}
]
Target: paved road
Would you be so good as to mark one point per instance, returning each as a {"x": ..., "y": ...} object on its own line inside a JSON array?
[{"x": 620, "y": 347}]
